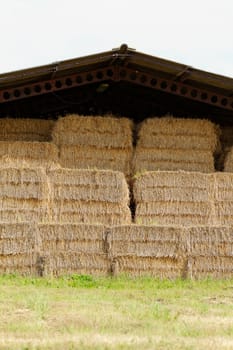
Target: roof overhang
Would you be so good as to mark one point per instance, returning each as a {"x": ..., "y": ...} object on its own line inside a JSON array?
[{"x": 120, "y": 65}]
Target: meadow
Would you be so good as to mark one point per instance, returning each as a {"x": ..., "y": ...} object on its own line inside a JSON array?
[{"x": 84, "y": 312}]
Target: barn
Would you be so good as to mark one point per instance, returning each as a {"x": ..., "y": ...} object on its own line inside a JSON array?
[{"x": 113, "y": 163}]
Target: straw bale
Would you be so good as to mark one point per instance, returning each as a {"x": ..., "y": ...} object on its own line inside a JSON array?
[
  {"x": 24, "y": 264},
  {"x": 173, "y": 220},
  {"x": 24, "y": 194},
  {"x": 228, "y": 161},
  {"x": 17, "y": 238},
  {"x": 99, "y": 131},
  {"x": 25, "y": 129},
  {"x": 172, "y": 194},
  {"x": 164, "y": 267},
  {"x": 77, "y": 263},
  {"x": 210, "y": 266},
  {"x": 37, "y": 153},
  {"x": 174, "y": 208},
  {"x": 176, "y": 155},
  {"x": 173, "y": 166},
  {"x": 152, "y": 241},
  {"x": 169, "y": 126},
  {"x": 175, "y": 179},
  {"x": 72, "y": 237},
  {"x": 85, "y": 157},
  {"x": 177, "y": 141},
  {"x": 88, "y": 193},
  {"x": 61, "y": 216},
  {"x": 84, "y": 177},
  {"x": 223, "y": 186},
  {"x": 211, "y": 241}
]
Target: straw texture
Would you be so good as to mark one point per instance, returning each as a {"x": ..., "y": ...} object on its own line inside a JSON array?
[
  {"x": 24, "y": 194},
  {"x": 210, "y": 252},
  {"x": 144, "y": 250},
  {"x": 18, "y": 248},
  {"x": 174, "y": 198},
  {"x": 89, "y": 196},
  {"x": 228, "y": 160},
  {"x": 176, "y": 144},
  {"x": 33, "y": 153},
  {"x": 94, "y": 142},
  {"x": 74, "y": 249},
  {"x": 25, "y": 129}
]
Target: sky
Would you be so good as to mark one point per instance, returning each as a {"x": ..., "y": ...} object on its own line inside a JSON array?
[{"x": 37, "y": 32}]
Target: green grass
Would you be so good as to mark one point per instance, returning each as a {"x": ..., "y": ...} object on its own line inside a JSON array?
[{"x": 83, "y": 312}]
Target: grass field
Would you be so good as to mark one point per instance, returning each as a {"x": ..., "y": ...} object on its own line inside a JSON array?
[{"x": 82, "y": 312}]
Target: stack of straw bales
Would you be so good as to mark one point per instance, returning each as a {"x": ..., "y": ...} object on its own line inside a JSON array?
[
  {"x": 24, "y": 193},
  {"x": 74, "y": 248},
  {"x": 174, "y": 198},
  {"x": 18, "y": 248},
  {"x": 94, "y": 142},
  {"x": 31, "y": 153},
  {"x": 145, "y": 250},
  {"x": 25, "y": 129},
  {"x": 89, "y": 196},
  {"x": 210, "y": 252},
  {"x": 175, "y": 144}
]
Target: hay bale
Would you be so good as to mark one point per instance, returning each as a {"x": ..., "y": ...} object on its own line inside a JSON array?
[
  {"x": 18, "y": 248},
  {"x": 57, "y": 238},
  {"x": 174, "y": 198},
  {"x": 176, "y": 144},
  {"x": 89, "y": 196},
  {"x": 25, "y": 129},
  {"x": 67, "y": 263},
  {"x": 33, "y": 153},
  {"x": 95, "y": 142},
  {"x": 99, "y": 131},
  {"x": 145, "y": 250},
  {"x": 166, "y": 159},
  {"x": 24, "y": 194},
  {"x": 169, "y": 132},
  {"x": 86, "y": 157},
  {"x": 210, "y": 266}
]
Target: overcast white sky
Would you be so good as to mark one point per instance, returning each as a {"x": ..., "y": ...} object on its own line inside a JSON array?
[{"x": 196, "y": 33}]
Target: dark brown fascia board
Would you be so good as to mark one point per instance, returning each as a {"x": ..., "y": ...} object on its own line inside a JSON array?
[{"x": 135, "y": 61}]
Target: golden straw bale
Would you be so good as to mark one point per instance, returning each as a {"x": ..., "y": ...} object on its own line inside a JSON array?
[
  {"x": 210, "y": 266},
  {"x": 25, "y": 129},
  {"x": 18, "y": 248},
  {"x": 98, "y": 131},
  {"x": 24, "y": 194},
  {"x": 174, "y": 208},
  {"x": 23, "y": 264},
  {"x": 173, "y": 166},
  {"x": 173, "y": 220},
  {"x": 92, "y": 196},
  {"x": 192, "y": 186},
  {"x": 153, "y": 241},
  {"x": 177, "y": 155},
  {"x": 173, "y": 179},
  {"x": 164, "y": 267},
  {"x": 72, "y": 184},
  {"x": 36, "y": 153},
  {"x": 85, "y": 157},
  {"x": 154, "y": 139},
  {"x": 72, "y": 237},
  {"x": 178, "y": 126},
  {"x": 211, "y": 241},
  {"x": 223, "y": 186},
  {"x": 63, "y": 263}
]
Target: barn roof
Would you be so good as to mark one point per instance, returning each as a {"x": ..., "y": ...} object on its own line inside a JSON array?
[{"x": 154, "y": 81}]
